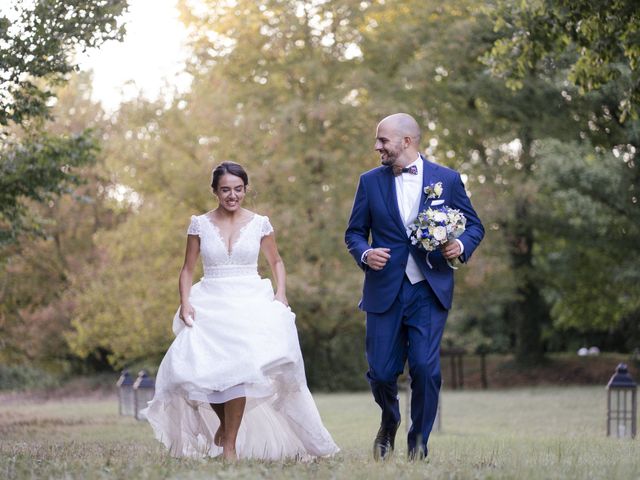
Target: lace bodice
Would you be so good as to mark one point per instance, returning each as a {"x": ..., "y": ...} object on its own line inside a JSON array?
[{"x": 242, "y": 259}]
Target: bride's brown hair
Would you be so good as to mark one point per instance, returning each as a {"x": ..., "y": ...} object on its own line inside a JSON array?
[{"x": 231, "y": 168}]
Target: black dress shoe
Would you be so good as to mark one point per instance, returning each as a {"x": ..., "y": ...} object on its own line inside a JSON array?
[
  {"x": 417, "y": 453},
  {"x": 384, "y": 442}
]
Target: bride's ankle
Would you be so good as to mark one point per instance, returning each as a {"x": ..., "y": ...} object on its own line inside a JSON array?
[
  {"x": 218, "y": 437},
  {"x": 229, "y": 454}
]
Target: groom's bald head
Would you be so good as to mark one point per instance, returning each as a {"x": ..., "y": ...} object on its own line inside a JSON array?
[
  {"x": 404, "y": 125},
  {"x": 397, "y": 140}
]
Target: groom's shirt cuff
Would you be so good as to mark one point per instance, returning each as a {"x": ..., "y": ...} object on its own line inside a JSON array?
[
  {"x": 364, "y": 254},
  {"x": 461, "y": 247}
]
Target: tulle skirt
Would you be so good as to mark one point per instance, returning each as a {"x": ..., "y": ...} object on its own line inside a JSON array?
[{"x": 243, "y": 344}]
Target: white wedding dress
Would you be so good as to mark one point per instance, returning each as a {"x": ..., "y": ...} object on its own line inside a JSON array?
[{"x": 243, "y": 343}]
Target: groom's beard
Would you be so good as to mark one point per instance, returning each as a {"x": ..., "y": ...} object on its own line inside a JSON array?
[
  {"x": 390, "y": 155},
  {"x": 387, "y": 159}
]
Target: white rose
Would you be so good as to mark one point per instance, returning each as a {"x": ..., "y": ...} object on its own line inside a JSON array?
[
  {"x": 440, "y": 217},
  {"x": 440, "y": 234},
  {"x": 437, "y": 189}
]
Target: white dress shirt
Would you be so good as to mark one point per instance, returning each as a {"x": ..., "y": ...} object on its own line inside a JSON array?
[{"x": 408, "y": 194}]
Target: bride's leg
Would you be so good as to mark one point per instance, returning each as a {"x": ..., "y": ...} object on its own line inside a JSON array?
[
  {"x": 233, "y": 411},
  {"x": 218, "y": 438}
]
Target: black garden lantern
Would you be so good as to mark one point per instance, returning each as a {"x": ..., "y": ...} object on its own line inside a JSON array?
[
  {"x": 622, "y": 404},
  {"x": 144, "y": 388},
  {"x": 126, "y": 402}
]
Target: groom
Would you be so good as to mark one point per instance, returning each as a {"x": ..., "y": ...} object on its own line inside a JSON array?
[{"x": 407, "y": 294}]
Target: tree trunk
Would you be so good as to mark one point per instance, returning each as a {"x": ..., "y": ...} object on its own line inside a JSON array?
[{"x": 529, "y": 311}]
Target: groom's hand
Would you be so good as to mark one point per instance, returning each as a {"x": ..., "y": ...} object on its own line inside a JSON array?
[
  {"x": 377, "y": 258},
  {"x": 451, "y": 250}
]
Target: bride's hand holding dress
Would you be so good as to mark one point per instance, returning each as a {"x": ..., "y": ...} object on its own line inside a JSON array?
[
  {"x": 270, "y": 250},
  {"x": 187, "y": 313}
]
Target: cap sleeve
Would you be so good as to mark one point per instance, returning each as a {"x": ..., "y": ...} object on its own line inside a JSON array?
[
  {"x": 267, "y": 228},
  {"x": 194, "y": 226}
]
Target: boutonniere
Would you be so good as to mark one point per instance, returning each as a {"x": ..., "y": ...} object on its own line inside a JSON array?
[{"x": 433, "y": 190}]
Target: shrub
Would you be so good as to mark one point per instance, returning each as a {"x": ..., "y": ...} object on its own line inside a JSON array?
[{"x": 23, "y": 377}]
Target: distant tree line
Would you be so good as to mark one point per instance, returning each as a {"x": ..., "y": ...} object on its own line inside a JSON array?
[{"x": 536, "y": 105}]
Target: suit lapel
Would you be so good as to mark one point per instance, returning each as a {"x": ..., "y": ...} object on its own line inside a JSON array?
[
  {"x": 388, "y": 189},
  {"x": 426, "y": 175}
]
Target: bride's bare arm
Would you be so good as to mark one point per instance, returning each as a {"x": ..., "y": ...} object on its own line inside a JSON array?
[
  {"x": 270, "y": 250},
  {"x": 186, "y": 277}
]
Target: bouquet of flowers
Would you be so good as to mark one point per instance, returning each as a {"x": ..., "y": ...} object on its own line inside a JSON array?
[{"x": 435, "y": 227}]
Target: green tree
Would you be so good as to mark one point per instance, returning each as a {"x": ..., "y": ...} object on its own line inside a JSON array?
[
  {"x": 588, "y": 251},
  {"x": 38, "y": 272},
  {"x": 598, "y": 43},
  {"x": 595, "y": 47},
  {"x": 38, "y": 43}
]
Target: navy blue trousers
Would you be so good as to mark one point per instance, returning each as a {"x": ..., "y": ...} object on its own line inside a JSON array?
[{"x": 410, "y": 330}]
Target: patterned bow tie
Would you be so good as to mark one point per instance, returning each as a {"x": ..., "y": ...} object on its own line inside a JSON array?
[{"x": 413, "y": 170}]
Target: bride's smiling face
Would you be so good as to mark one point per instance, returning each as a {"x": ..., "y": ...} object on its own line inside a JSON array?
[{"x": 230, "y": 192}]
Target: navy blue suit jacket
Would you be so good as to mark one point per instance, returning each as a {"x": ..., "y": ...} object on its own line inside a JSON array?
[{"x": 375, "y": 215}]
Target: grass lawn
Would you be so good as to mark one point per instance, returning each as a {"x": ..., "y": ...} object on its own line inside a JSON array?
[{"x": 540, "y": 433}]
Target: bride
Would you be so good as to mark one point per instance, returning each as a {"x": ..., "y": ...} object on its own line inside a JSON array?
[{"x": 233, "y": 381}]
